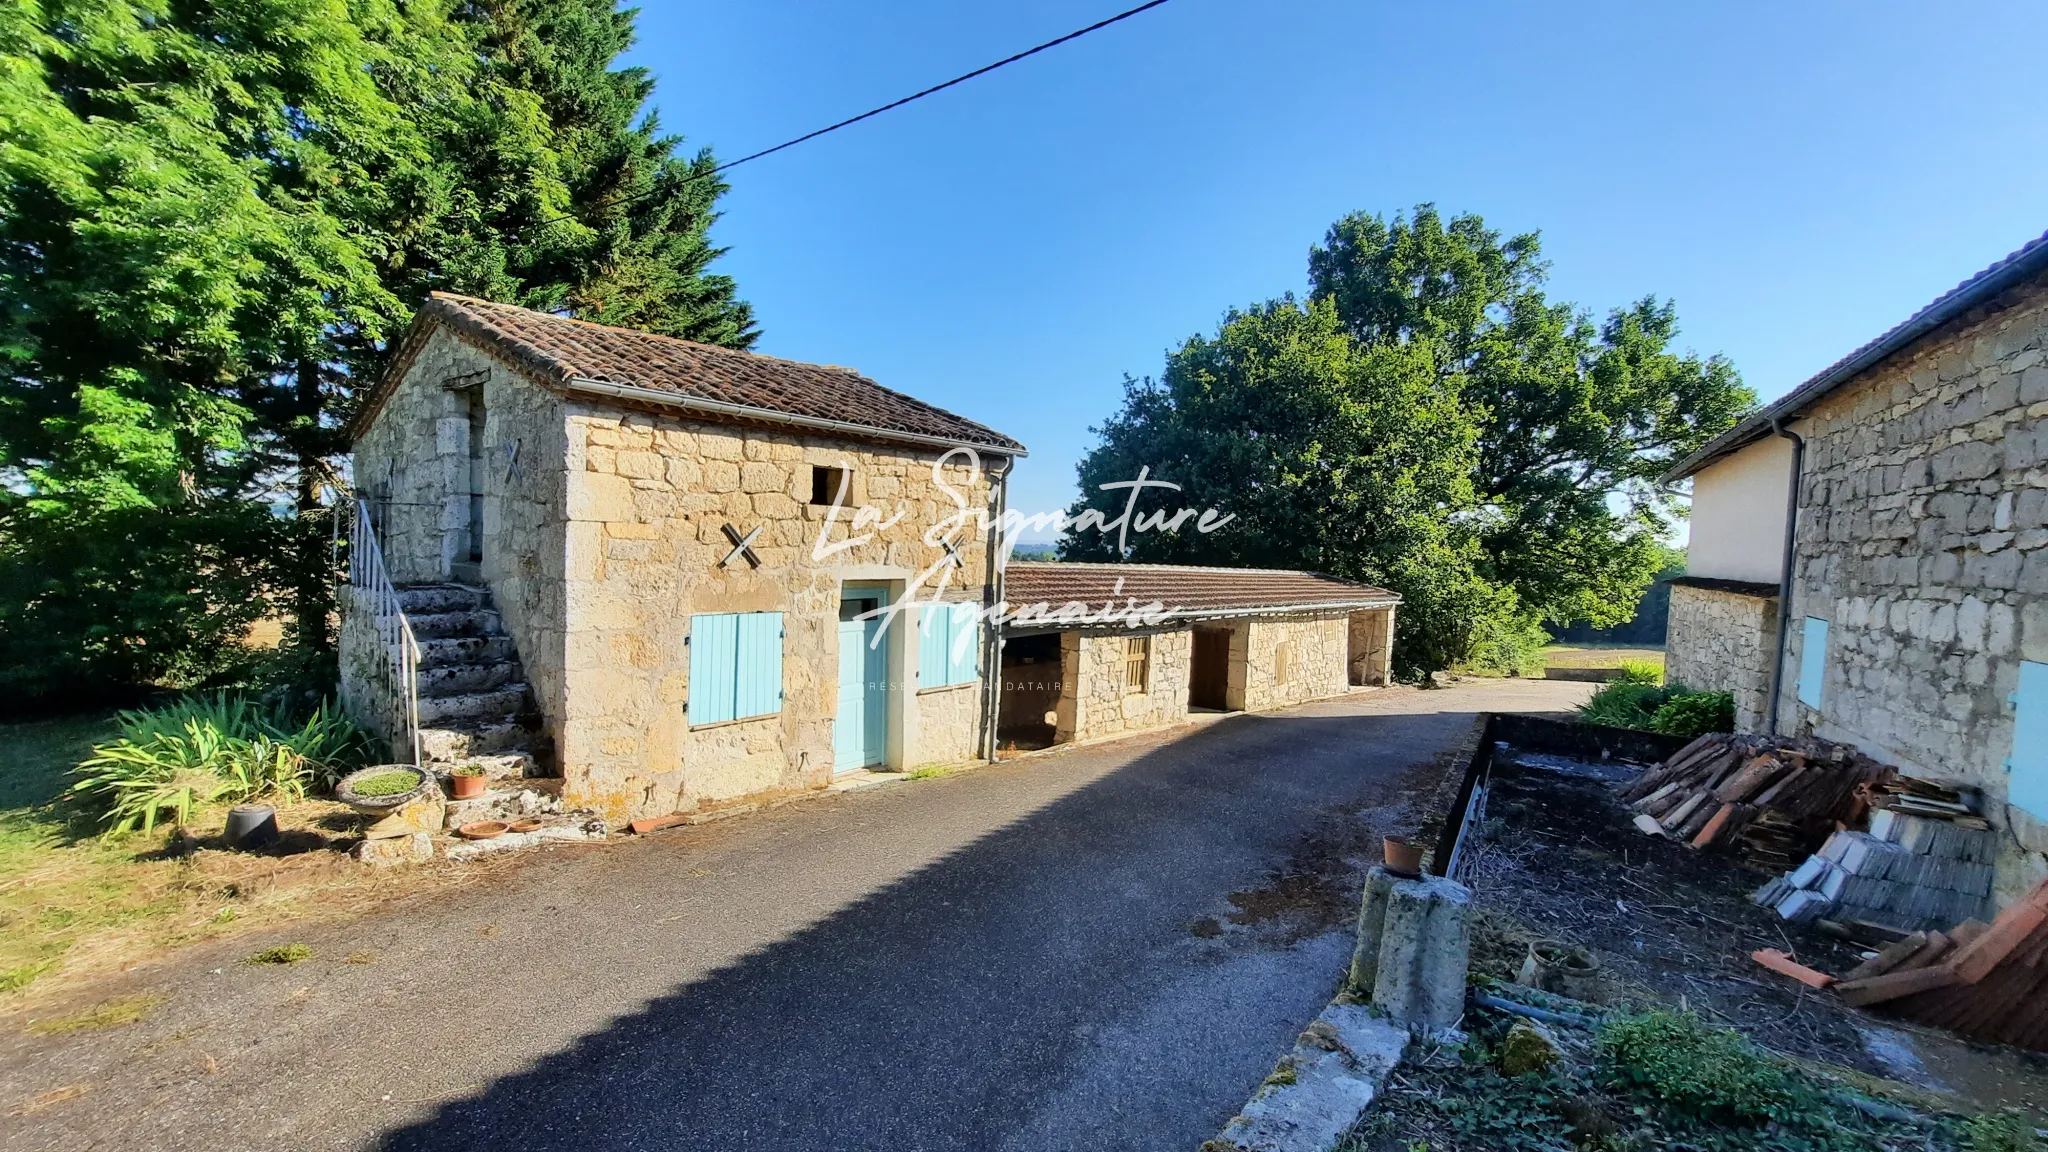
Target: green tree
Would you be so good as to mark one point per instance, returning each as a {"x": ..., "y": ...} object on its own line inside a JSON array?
[
  {"x": 1330, "y": 455},
  {"x": 1576, "y": 419},
  {"x": 214, "y": 219}
]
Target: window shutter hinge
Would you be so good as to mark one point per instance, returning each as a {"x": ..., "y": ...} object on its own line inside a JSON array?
[
  {"x": 2007, "y": 763},
  {"x": 2012, "y": 702}
]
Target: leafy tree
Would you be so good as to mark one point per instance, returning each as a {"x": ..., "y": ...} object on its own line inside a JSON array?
[
  {"x": 213, "y": 220},
  {"x": 1329, "y": 454},
  {"x": 1432, "y": 422},
  {"x": 1576, "y": 419}
]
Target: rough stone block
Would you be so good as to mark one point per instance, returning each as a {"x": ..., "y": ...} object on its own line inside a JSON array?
[
  {"x": 1424, "y": 954},
  {"x": 396, "y": 850}
]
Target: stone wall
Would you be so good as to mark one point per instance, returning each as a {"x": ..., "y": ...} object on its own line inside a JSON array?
[
  {"x": 648, "y": 498},
  {"x": 1923, "y": 540},
  {"x": 1093, "y": 700},
  {"x": 412, "y": 463},
  {"x": 1720, "y": 641},
  {"x": 1317, "y": 649}
]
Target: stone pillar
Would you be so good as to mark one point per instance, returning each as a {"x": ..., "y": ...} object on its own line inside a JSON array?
[{"x": 1413, "y": 949}]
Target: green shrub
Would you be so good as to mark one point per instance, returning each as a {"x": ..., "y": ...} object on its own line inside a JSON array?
[
  {"x": 1638, "y": 672},
  {"x": 1625, "y": 704},
  {"x": 2004, "y": 1132},
  {"x": 214, "y": 749},
  {"x": 1692, "y": 714},
  {"x": 1709, "y": 1074}
]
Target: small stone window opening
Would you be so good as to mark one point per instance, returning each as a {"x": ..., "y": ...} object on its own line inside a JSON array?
[
  {"x": 1283, "y": 663},
  {"x": 1137, "y": 663},
  {"x": 829, "y": 485}
]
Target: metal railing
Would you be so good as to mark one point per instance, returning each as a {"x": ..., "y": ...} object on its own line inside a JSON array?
[{"x": 367, "y": 575}]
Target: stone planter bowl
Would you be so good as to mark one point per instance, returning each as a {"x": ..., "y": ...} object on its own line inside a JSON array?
[{"x": 345, "y": 792}]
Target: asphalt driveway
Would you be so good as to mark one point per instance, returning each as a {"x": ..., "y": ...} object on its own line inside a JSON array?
[{"x": 1101, "y": 948}]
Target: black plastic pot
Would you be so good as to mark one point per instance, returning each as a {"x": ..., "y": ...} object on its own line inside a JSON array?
[{"x": 252, "y": 826}]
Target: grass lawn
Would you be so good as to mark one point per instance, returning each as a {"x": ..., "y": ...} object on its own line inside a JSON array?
[
  {"x": 1598, "y": 655},
  {"x": 74, "y": 904}
]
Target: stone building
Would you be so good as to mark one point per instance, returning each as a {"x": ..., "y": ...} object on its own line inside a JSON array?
[
  {"x": 1218, "y": 640},
  {"x": 647, "y": 577},
  {"x": 634, "y": 564},
  {"x": 1912, "y": 619}
]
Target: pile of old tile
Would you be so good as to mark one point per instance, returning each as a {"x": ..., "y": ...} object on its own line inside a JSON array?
[
  {"x": 1924, "y": 863},
  {"x": 1771, "y": 797},
  {"x": 1985, "y": 981},
  {"x": 1908, "y": 872}
]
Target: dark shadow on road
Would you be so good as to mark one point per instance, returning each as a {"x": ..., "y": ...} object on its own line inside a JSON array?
[{"x": 941, "y": 1011}]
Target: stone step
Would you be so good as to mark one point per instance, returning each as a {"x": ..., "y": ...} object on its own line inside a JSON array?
[
  {"x": 466, "y": 650},
  {"x": 467, "y": 679},
  {"x": 426, "y": 599},
  {"x": 530, "y": 797},
  {"x": 499, "y": 703},
  {"x": 475, "y": 623},
  {"x": 510, "y": 764},
  {"x": 459, "y": 740}
]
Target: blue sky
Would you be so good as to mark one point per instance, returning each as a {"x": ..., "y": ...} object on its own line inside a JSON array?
[{"x": 1796, "y": 177}]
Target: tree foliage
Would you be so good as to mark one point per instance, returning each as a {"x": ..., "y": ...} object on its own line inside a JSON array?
[
  {"x": 1576, "y": 419},
  {"x": 1429, "y": 421},
  {"x": 213, "y": 221}
]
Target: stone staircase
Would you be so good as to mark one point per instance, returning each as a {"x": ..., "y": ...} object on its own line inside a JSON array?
[{"x": 474, "y": 706}]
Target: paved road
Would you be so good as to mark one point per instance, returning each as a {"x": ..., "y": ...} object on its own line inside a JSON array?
[{"x": 1037, "y": 955}]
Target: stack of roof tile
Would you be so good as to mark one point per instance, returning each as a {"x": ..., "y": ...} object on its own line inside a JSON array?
[
  {"x": 1985, "y": 981},
  {"x": 1906, "y": 872},
  {"x": 1773, "y": 798},
  {"x": 1925, "y": 863}
]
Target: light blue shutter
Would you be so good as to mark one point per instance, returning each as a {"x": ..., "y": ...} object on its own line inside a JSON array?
[
  {"x": 963, "y": 644},
  {"x": 757, "y": 678},
  {"x": 714, "y": 649},
  {"x": 2028, "y": 788},
  {"x": 1813, "y": 661},
  {"x": 934, "y": 632}
]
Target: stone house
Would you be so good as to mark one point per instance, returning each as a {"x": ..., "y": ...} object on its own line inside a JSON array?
[
  {"x": 1869, "y": 555},
  {"x": 649, "y": 577}
]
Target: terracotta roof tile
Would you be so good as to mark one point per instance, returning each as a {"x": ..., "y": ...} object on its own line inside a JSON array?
[
  {"x": 1185, "y": 591},
  {"x": 561, "y": 349}
]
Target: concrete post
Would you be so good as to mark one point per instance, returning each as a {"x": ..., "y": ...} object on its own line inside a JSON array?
[
  {"x": 1413, "y": 949},
  {"x": 1372, "y": 920}
]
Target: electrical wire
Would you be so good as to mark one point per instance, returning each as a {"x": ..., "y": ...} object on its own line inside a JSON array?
[{"x": 872, "y": 112}]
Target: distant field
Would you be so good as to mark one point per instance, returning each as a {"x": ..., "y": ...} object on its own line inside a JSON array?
[{"x": 1598, "y": 655}]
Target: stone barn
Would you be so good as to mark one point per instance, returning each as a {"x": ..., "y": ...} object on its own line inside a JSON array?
[
  {"x": 1219, "y": 640},
  {"x": 635, "y": 571}
]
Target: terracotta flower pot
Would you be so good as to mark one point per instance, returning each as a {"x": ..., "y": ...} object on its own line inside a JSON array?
[
  {"x": 1403, "y": 856},
  {"x": 467, "y": 787}
]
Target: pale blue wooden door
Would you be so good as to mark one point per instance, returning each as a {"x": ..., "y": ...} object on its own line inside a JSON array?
[{"x": 860, "y": 730}]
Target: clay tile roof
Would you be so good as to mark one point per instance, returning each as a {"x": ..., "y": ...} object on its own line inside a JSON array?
[
  {"x": 1185, "y": 591},
  {"x": 562, "y": 350}
]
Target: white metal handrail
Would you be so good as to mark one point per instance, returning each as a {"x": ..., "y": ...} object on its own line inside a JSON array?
[{"x": 367, "y": 574}]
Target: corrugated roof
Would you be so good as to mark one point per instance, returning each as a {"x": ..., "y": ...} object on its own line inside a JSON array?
[
  {"x": 580, "y": 356},
  {"x": 2023, "y": 263},
  {"x": 1184, "y": 591}
]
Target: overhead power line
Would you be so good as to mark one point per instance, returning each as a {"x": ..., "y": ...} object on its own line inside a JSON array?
[{"x": 872, "y": 112}]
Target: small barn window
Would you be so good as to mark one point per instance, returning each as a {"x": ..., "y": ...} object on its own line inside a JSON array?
[
  {"x": 1283, "y": 662},
  {"x": 948, "y": 645},
  {"x": 735, "y": 666},
  {"x": 1137, "y": 663},
  {"x": 828, "y": 485}
]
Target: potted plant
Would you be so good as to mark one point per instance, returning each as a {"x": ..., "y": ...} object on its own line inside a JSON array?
[
  {"x": 1403, "y": 855},
  {"x": 381, "y": 789},
  {"x": 466, "y": 781}
]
